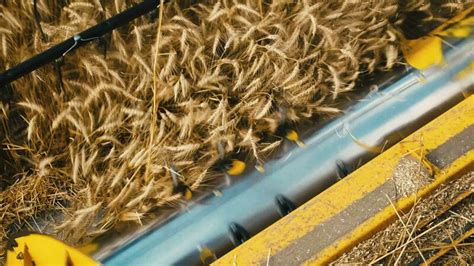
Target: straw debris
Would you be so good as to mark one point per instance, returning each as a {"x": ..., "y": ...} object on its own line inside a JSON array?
[{"x": 420, "y": 231}]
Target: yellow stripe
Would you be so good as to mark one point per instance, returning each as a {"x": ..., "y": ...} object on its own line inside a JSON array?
[
  {"x": 445, "y": 250},
  {"x": 354, "y": 187}
]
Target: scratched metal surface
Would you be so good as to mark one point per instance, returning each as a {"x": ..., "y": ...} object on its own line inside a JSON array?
[{"x": 300, "y": 174}]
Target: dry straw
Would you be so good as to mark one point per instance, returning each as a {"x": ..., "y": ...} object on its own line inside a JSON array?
[{"x": 419, "y": 230}]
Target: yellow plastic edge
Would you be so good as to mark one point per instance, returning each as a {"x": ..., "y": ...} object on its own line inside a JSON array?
[{"x": 46, "y": 250}]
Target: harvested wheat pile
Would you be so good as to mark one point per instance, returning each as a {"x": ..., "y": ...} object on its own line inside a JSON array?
[{"x": 222, "y": 79}]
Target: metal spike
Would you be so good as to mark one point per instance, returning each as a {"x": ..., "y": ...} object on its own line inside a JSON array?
[
  {"x": 285, "y": 206},
  {"x": 239, "y": 233},
  {"x": 341, "y": 169}
]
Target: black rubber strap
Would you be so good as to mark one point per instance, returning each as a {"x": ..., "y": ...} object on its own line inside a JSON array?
[{"x": 77, "y": 41}]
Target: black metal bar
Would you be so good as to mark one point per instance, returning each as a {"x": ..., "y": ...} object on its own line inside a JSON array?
[{"x": 77, "y": 41}]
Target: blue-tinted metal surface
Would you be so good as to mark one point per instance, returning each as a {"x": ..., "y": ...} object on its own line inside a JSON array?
[{"x": 400, "y": 108}]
